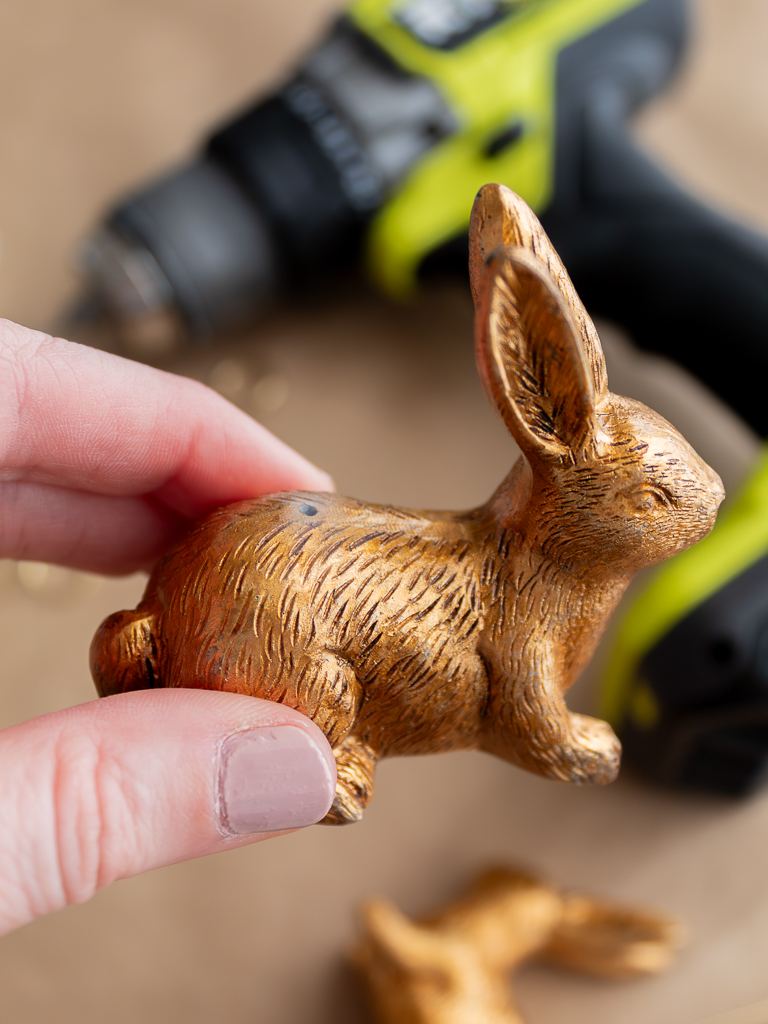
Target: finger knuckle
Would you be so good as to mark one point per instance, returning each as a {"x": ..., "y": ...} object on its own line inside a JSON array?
[{"x": 94, "y": 814}]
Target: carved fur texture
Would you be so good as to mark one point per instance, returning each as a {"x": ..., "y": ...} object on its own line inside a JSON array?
[{"x": 413, "y": 632}]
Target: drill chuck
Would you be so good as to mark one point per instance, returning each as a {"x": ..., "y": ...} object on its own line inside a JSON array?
[
  {"x": 374, "y": 149},
  {"x": 281, "y": 197}
]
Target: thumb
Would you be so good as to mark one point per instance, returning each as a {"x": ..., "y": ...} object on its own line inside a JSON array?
[{"x": 121, "y": 785}]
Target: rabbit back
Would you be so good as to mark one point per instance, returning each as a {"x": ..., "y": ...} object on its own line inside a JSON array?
[{"x": 354, "y": 614}]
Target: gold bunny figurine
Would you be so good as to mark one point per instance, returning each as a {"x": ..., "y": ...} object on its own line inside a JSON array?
[
  {"x": 454, "y": 967},
  {"x": 411, "y": 632}
]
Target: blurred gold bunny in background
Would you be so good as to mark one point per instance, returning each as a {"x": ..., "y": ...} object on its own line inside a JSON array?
[{"x": 454, "y": 967}]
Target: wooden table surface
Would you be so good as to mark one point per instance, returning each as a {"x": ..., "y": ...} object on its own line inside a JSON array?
[{"x": 97, "y": 95}]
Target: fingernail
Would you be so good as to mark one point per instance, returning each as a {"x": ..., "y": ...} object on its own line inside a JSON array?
[{"x": 273, "y": 778}]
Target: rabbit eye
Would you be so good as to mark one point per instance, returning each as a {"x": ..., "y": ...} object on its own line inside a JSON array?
[{"x": 648, "y": 497}]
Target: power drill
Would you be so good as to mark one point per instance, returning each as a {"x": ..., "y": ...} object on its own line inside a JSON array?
[{"x": 374, "y": 149}]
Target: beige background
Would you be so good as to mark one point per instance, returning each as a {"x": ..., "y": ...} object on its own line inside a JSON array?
[{"x": 95, "y": 95}]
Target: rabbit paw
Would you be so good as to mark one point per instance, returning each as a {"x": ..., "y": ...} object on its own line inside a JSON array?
[
  {"x": 592, "y": 754},
  {"x": 355, "y": 767}
]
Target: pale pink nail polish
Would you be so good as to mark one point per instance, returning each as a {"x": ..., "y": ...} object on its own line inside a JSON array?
[{"x": 273, "y": 778}]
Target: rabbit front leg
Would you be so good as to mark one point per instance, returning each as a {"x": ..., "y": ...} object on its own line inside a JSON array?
[
  {"x": 529, "y": 724},
  {"x": 355, "y": 767}
]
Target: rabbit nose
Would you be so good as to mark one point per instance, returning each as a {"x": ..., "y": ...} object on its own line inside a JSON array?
[{"x": 714, "y": 488}]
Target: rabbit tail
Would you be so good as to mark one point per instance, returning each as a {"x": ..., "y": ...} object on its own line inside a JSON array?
[{"x": 124, "y": 654}]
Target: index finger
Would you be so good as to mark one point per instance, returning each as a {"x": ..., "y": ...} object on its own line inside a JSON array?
[{"x": 79, "y": 418}]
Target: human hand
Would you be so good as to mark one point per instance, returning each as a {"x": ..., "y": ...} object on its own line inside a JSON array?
[{"x": 103, "y": 463}]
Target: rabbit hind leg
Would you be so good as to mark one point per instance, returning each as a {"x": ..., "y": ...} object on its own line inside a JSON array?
[
  {"x": 355, "y": 768},
  {"x": 335, "y": 714}
]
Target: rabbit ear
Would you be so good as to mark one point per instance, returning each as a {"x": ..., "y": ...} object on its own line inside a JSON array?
[
  {"x": 501, "y": 217},
  {"x": 531, "y": 361}
]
